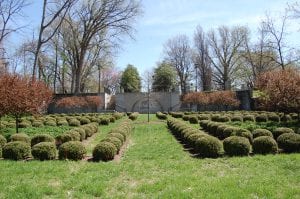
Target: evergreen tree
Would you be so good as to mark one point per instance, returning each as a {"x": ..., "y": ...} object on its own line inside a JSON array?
[
  {"x": 130, "y": 80},
  {"x": 164, "y": 78}
]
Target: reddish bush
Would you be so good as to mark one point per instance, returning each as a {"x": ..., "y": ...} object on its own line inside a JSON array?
[
  {"x": 227, "y": 98},
  {"x": 279, "y": 90},
  {"x": 78, "y": 102},
  {"x": 20, "y": 96}
]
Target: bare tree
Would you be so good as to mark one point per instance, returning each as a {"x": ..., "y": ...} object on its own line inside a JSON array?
[
  {"x": 201, "y": 59},
  {"x": 256, "y": 58},
  {"x": 224, "y": 47},
  {"x": 276, "y": 35},
  {"x": 90, "y": 19},
  {"x": 53, "y": 15},
  {"x": 178, "y": 53},
  {"x": 10, "y": 10}
]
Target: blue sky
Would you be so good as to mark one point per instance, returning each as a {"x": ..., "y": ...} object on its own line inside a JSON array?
[{"x": 164, "y": 19}]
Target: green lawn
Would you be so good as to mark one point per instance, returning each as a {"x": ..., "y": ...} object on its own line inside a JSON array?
[{"x": 154, "y": 166}]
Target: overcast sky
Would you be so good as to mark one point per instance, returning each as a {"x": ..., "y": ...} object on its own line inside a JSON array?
[{"x": 164, "y": 19}]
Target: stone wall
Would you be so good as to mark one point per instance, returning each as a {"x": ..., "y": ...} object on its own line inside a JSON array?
[{"x": 138, "y": 102}]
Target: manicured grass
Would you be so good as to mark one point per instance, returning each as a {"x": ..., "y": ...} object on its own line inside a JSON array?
[
  {"x": 295, "y": 125},
  {"x": 154, "y": 166}
]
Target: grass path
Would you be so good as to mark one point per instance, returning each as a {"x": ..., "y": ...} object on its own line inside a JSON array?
[{"x": 154, "y": 166}]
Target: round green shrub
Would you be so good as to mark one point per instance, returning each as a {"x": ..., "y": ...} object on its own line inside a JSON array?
[
  {"x": 289, "y": 142},
  {"x": 236, "y": 146},
  {"x": 62, "y": 123},
  {"x": 104, "y": 151},
  {"x": 41, "y": 138},
  {"x": 117, "y": 135},
  {"x": 215, "y": 118},
  {"x": 273, "y": 118},
  {"x": 220, "y": 132},
  {"x": 281, "y": 130},
  {"x": 244, "y": 133},
  {"x": 185, "y": 117},
  {"x": 237, "y": 118},
  {"x": 60, "y": 139},
  {"x": 44, "y": 151},
  {"x": 112, "y": 119},
  {"x": 223, "y": 118},
  {"x": 3, "y": 141},
  {"x": 261, "y": 118},
  {"x": 192, "y": 138},
  {"x": 204, "y": 124},
  {"x": 84, "y": 120},
  {"x": 81, "y": 131},
  {"x": 72, "y": 150},
  {"x": 16, "y": 150},
  {"x": 37, "y": 123},
  {"x": 20, "y": 137},
  {"x": 75, "y": 135},
  {"x": 193, "y": 120},
  {"x": 286, "y": 118},
  {"x": 88, "y": 131},
  {"x": 115, "y": 141},
  {"x": 24, "y": 124},
  {"x": 74, "y": 122},
  {"x": 203, "y": 117},
  {"x": 249, "y": 118},
  {"x": 262, "y": 132},
  {"x": 264, "y": 145},
  {"x": 212, "y": 128},
  {"x": 104, "y": 121},
  {"x": 229, "y": 131},
  {"x": 208, "y": 147},
  {"x": 50, "y": 123}
]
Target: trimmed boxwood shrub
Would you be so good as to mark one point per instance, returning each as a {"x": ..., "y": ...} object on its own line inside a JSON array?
[
  {"x": 286, "y": 118},
  {"x": 112, "y": 119},
  {"x": 84, "y": 120},
  {"x": 192, "y": 138},
  {"x": 37, "y": 123},
  {"x": 161, "y": 116},
  {"x": 50, "y": 123},
  {"x": 16, "y": 150},
  {"x": 264, "y": 145},
  {"x": 237, "y": 118},
  {"x": 236, "y": 146},
  {"x": 104, "y": 121},
  {"x": 72, "y": 150},
  {"x": 204, "y": 124},
  {"x": 24, "y": 124},
  {"x": 115, "y": 141},
  {"x": 289, "y": 142},
  {"x": 41, "y": 138},
  {"x": 261, "y": 118},
  {"x": 185, "y": 117},
  {"x": 81, "y": 131},
  {"x": 62, "y": 123},
  {"x": 261, "y": 132},
  {"x": 229, "y": 131},
  {"x": 74, "y": 122},
  {"x": 209, "y": 147},
  {"x": 88, "y": 131},
  {"x": 273, "y": 118},
  {"x": 215, "y": 118},
  {"x": 3, "y": 141},
  {"x": 133, "y": 116},
  {"x": 20, "y": 137},
  {"x": 203, "y": 117},
  {"x": 220, "y": 132},
  {"x": 44, "y": 151},
  {"x": 193, "y": 119},
  {"x": 223, "y": 118},
  {"x": 121, "y": 137},
  {"x": 104, "y": 151},
  {"x": 281, "y": 130},
  {"x": 75, "y": 135},
  {"x": 60, "y": 139},
  {"x": 249, "y": 118},
  {"x": 244, "y": 133}
]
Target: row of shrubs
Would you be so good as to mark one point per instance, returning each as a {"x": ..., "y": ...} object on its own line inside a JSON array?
[
  {"x": 238, "y": 116},
  {"x": 63, "y": 121},
  {"x": 44, "y": 147},
  {"x": 263, "y": 141},
  {"x": 112, "y": 143},
  {"x": 203, "y": 144}
]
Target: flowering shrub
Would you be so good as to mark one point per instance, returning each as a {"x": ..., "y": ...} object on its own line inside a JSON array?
[{"x": 78, "y": 102}]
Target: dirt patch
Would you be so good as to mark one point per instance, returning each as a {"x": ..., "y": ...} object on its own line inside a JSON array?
[{"x": 125, "y": 146}]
